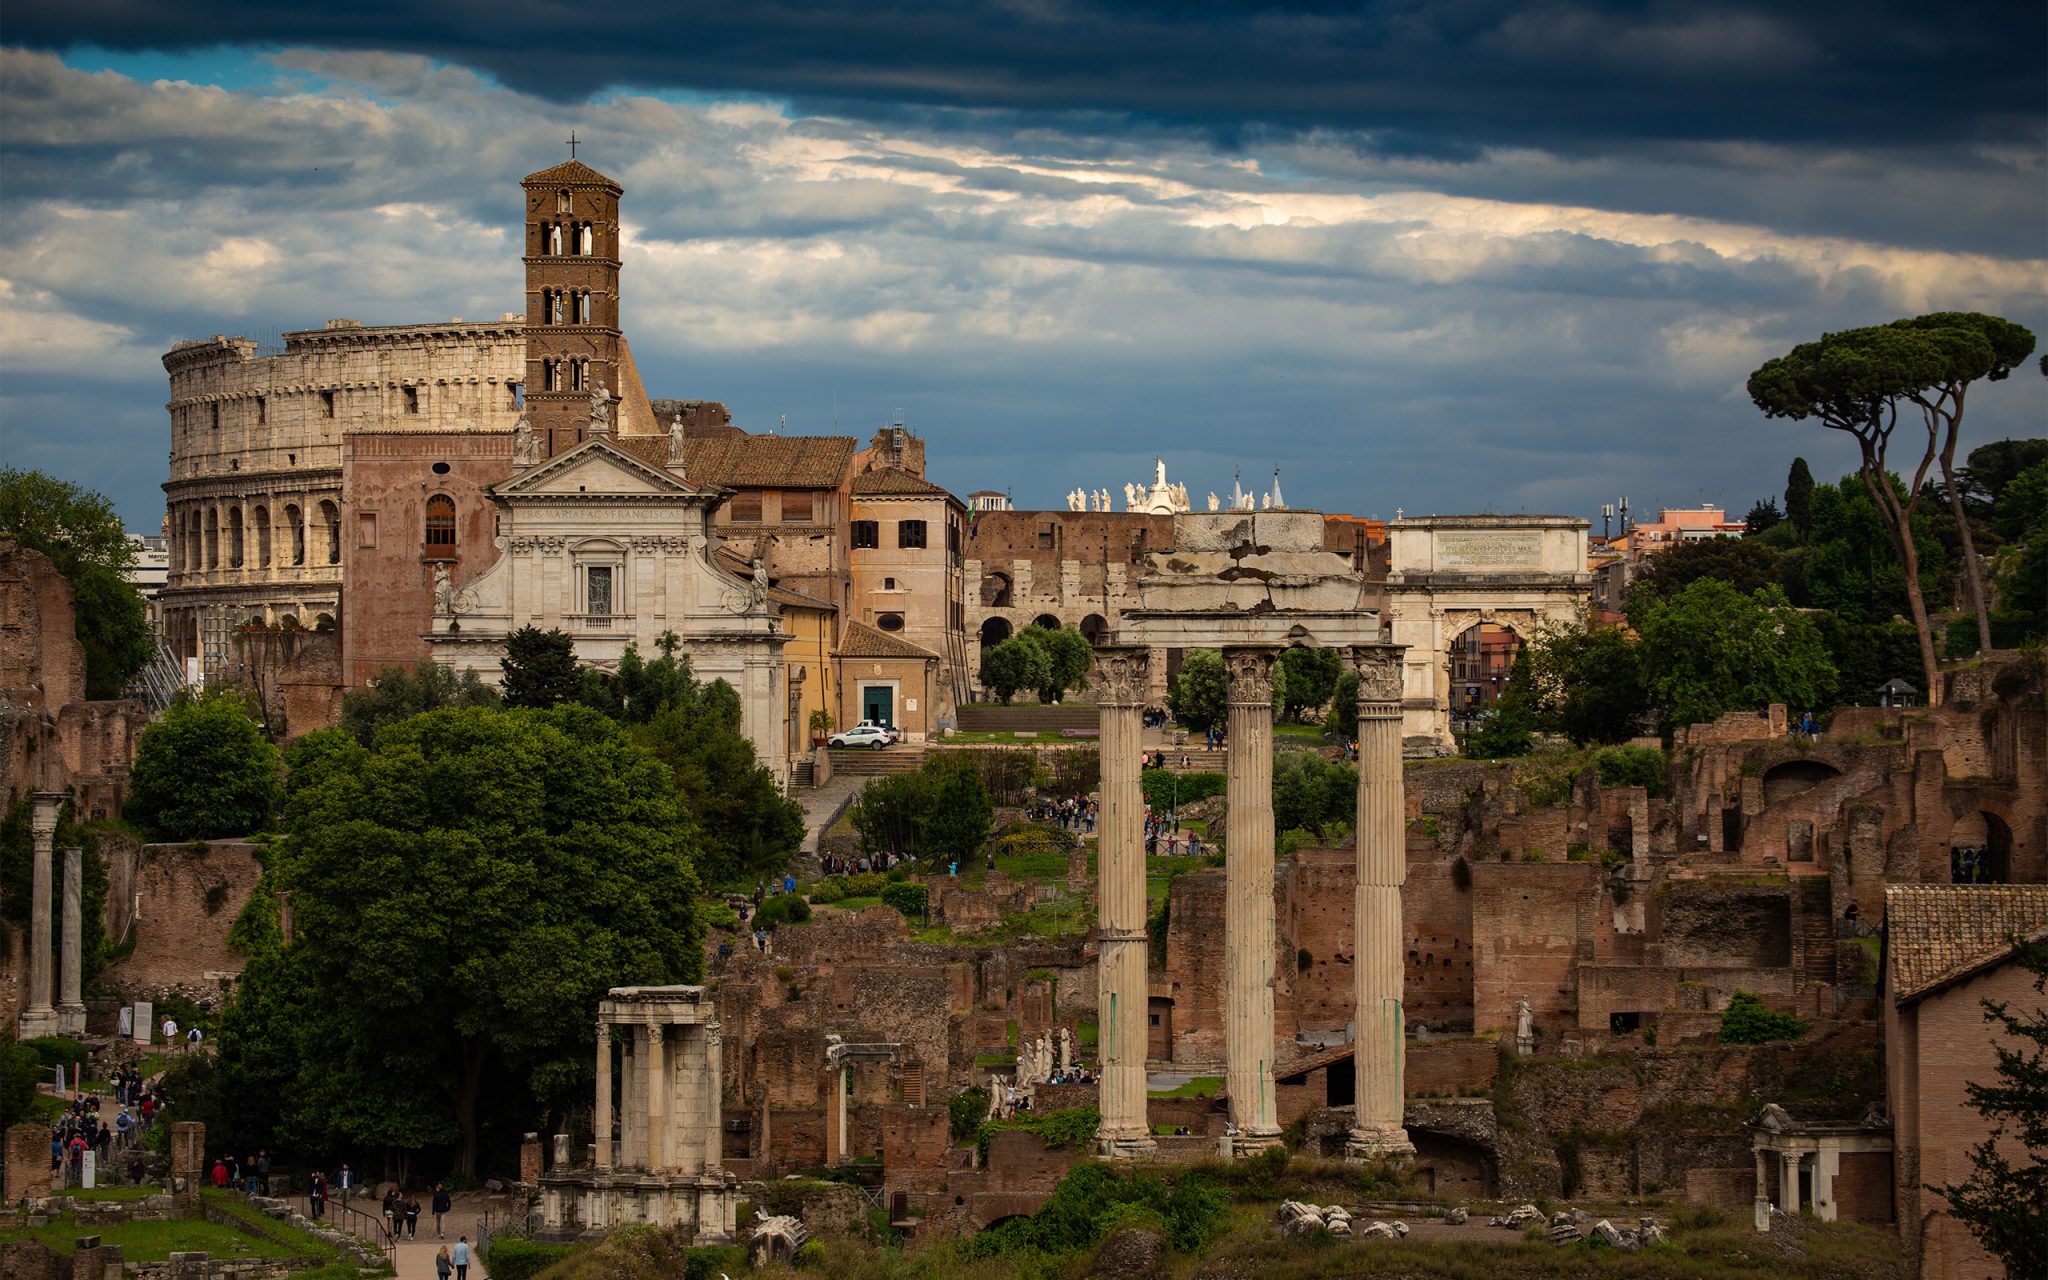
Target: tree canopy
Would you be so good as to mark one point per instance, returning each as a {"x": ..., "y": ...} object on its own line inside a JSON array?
[
  {"x": 1049, "y": 661},
  {"x": 463, "y": 893},
  {"x": 85, "y": 540},
  {"x": 1197, "y": 696},
  {"x": 204, "y": 771},
  {"x": 1305, "y": 679},
  {"x": 1586, "y": 680},
  {"x": 540, "y": 668},
  {"x": 1710, "y": 649},
  {"x": 396, "y": 693},
  {"x": 940, "y": 812}
]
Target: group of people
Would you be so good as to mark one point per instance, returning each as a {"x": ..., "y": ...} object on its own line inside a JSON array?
[
  {"x": 1075, "y": 813},
  {"x": 844, "y": 864},
  {"x": 250, "y": 1174},
  {"x": 84, "y": 1126},
  {"x": 1163, "y": 835}
]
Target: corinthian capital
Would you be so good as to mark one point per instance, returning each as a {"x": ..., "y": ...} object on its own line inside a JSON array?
[
  {"x": 1379, "y": 672},
  {"x": 1120, "y": 676},
  {"x": 1251, "y": 675}
]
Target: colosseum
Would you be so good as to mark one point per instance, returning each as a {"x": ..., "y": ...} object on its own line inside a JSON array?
[{"x": 253, "y": 505}]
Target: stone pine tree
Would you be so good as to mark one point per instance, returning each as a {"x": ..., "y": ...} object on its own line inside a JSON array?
[
  {"x": 1799, "y": 498},
  {"x": 1857, "y": 382},
  {"x": 1972, "y": 346},
  {"x": 2004, "y": 1201}
]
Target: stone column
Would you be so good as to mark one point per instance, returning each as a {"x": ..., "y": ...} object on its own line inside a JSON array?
[
  {"x": 41, "y": 1018},
  {"x": 70, "y": 1000},
  {"x": 1379, "y": 1043},
  {"x": 1248, "y": 901},
  {"x": 1122, "y": 940},
  {"x": 713, "y": 1084},
  {"x": 1761, "y": 1202},
  {"x": 656, "y": 1074},
  {"x": 602, "y": 1117}
]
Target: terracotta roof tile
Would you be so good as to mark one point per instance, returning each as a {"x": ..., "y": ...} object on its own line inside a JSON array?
[
  {"x": 859, "y": 640},
  {"x": 769, "y": 462},
  {"x": 572, "y": 171},
  {"x": 894, "y": 482},
  {"x": 1936, "y": 934}
]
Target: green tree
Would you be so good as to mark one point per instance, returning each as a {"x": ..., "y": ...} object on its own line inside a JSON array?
[
  {"x": 1305, "y": 679},
  {"x": 396, "y": 693},
  {"x": 2004, "y": 1203},
  {"x": 1743, "y": 563},
  {"x": 1763, "y": 516},
  {"x": 641, "y": 690},
  {"x": 1197, "y": 696},
  {"x": 1711, "y": 649},
  {"x": 1972, "y": 346},
  {"x": 1747, "y": 1021},
  {"x": 1015, "y": 664},
  {"x": 78, "y": 530},
  {"x": 204, "y": 771},
  {"x": 1858, "y": 381},
  {"x": 540, "y": 668},
  {"x": 958, "y": 822},
  {"x": 463, "y": 894},
  {"x": 1510, "y": 727},
  {"x": 1313, "y": 794},
  {"x": 746, "y": 827},
  {"x": 1587, "y": 681},
  {"x": 1062, "y": 658},
  {"x": 1799, "y": 497},
  {"x": 890, "y": 812},
  {"x": 20, "y": 1072},
  {"x": 1990, "y": 469},
  {"x": 1343, "y": 717}
]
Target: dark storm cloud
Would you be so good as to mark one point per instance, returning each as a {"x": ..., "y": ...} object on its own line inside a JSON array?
[{"x": 1431, "y": 78}]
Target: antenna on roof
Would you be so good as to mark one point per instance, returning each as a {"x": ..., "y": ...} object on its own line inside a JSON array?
[{"x": 785, "y": 422}]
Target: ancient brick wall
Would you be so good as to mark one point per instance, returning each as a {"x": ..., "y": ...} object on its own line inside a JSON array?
[
  {"x": 28, "y": 1163},
  {"x": 1528, "y": 923},
  {"x": 1436, "y": 913},
  {"x": 1194, "y": 964},
  {"x": 1448, "y": 1068},
  {"x": 189, "y": 896},
  {"x": 914, "y": 1143}
]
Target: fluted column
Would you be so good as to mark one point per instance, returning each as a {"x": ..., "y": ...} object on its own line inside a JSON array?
[
  {"x": 1248, "y": 900},
  {"x": 1121, "y": 937},
  {"x": 656, "y": 1069},
  {"x": 712, "y": 1081},
  {"x": 1379, "y": 1045},
  {"x": 41, "y": 1018},
  {"x": 602, "y": 1117},
  {"x": 70, "y": 953}
]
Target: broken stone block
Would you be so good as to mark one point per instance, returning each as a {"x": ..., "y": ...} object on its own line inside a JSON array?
[{"x": 1455, "y": 1216}]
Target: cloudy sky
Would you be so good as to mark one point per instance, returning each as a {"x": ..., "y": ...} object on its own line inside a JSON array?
[{"x": 1441, "y": 256}]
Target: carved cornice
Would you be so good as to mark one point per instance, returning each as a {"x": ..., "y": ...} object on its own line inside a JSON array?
[
  {"x": 545, "y": 546},
  {"x": 1250, "y": 672},
  {"x": 1121, "y": 676}
]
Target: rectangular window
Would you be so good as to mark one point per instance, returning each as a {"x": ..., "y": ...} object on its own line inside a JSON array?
[
  {"x": 866, "y": 534},
  {"x": 796, "y": 506},
  {"x": 952, "y": 535},
  {"x": 326, "y": 404},
  {"x": 366, "y": 529},
  {"x": 412, "y": 399},
  {"x": 262, "y": 411},
  {"x": 910, "y": 533},
  {"x": 216, "y": 416},
  {"x": 745, "y": 508},
  {"x": 598, "y": 590}
]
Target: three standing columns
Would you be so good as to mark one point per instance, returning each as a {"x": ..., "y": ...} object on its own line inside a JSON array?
[
  {"x": 1123, "y": 941},
  {"x": 1379, "y": 1034},
  {"x": 1248, "y": 900},
  {"x": 40, "y": 1018}
]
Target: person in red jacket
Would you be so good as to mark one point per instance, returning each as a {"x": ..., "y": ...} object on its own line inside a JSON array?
[{"x": 220, "y": 1173}]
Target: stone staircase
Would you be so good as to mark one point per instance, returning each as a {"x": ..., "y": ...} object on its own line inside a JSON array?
[{"x": 870, "y": 763}]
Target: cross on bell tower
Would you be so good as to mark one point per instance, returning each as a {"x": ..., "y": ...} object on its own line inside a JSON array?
[{"x": 572, "y": 297}]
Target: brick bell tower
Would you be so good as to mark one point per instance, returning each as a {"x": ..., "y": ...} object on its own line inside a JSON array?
[{"x": 572, "y": 298}]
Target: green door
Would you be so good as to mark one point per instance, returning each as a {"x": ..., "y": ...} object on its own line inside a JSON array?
[{"x": 877, "y": 704}]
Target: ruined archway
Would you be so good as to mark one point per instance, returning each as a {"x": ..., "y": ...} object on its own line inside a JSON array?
[
  {"x": 1046, "y": 620},
  {"x": 1479, "y": 661},
  {"x": 1783, "y": 781},
  {"x": 995, "y": 590},
  {"x": 1980, "y": 849},
  {"x": 1094, "y": 627}
]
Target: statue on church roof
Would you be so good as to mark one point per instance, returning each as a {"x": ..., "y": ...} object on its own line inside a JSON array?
[
  {"x": 525, "y": 442},
  {"x": 601, "y": 401}
]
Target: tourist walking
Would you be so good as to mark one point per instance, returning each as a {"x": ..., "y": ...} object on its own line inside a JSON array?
[
  {"x": 316, "y": 1194},
  {"x": 392, "y": 1223},
  {"x": 347, "y": 1179},
  {"x": 462, "y": 1258},
  {"x": 443, "y": 1264},
  {"x": 441, "y": 1207}
]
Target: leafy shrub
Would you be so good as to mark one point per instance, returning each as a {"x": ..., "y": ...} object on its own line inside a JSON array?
[
  {"x": 1067, "y": 1127},
  {"x": 828, "y": 890},
  {"x": 780, "y": 909},
  {"x": 59, "y": 1051},
  {"x": 910, "y": 899},
  {"x": 1746, "y": 1021},
  {"x": 1633, "y": 767},
  {"x": 967, "y": 1110},
  {"x": 516, "y": 1258},
  {"x": 709, "y": 1261},
  {"x": 1096, "y": 1198},
  {"x": 1161, "y": 795}
]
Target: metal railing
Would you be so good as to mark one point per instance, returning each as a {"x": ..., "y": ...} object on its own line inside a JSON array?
[{"x": 367, "y": 1227}]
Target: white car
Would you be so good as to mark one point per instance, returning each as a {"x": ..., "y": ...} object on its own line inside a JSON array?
[
  {"x": 861, "y": 735},
  {"x": 895, "y": 734}
]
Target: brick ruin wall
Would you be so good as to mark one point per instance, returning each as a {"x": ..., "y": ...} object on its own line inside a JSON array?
[{"x": 188, "y": 897}]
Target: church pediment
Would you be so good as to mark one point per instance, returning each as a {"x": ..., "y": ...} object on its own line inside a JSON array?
[{"x": 596, "y": 469}]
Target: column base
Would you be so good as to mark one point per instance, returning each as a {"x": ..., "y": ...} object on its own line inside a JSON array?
[
  {"x": 1389, "y": 1142},
  {"x": 70, "y": 1019},
  {"x": 38, "y": 1022},
  {"x": 1130, "y": 1147},
  {"x": 1244, "y": 1146}
]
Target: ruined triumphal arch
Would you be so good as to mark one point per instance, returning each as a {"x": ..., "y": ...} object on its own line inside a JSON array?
[
  {"x": 1251, "y": 583},
  {"x": 1447, "y": 574}
]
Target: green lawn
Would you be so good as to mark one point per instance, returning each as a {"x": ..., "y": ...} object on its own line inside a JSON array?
[
  {"x": 1199, "y": 1087},
  {"x": 107, "y": 1193},
  {"x": 156, "y": 1241}
]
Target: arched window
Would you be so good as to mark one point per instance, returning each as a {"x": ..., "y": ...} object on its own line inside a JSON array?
[
  {"x": 555, "y": 308},
  {"x": 554, "y": 239},
  {"x": 213, "y": 538},
  {"x": 297, "y": 520},
  {"x": 234, "y": 537},
  {"x": 330, "y": 521},
  {"x": 440, "y": 521},
  {"x": 586, "y": 240},
  {"x": 262, "y": 530}
]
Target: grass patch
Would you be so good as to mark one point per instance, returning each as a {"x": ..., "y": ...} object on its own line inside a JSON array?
[
  {"x": 1199, "y": 1087},
  {"x": 253, "y": 1236},
  {"x": 109, "y": 1194}
]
